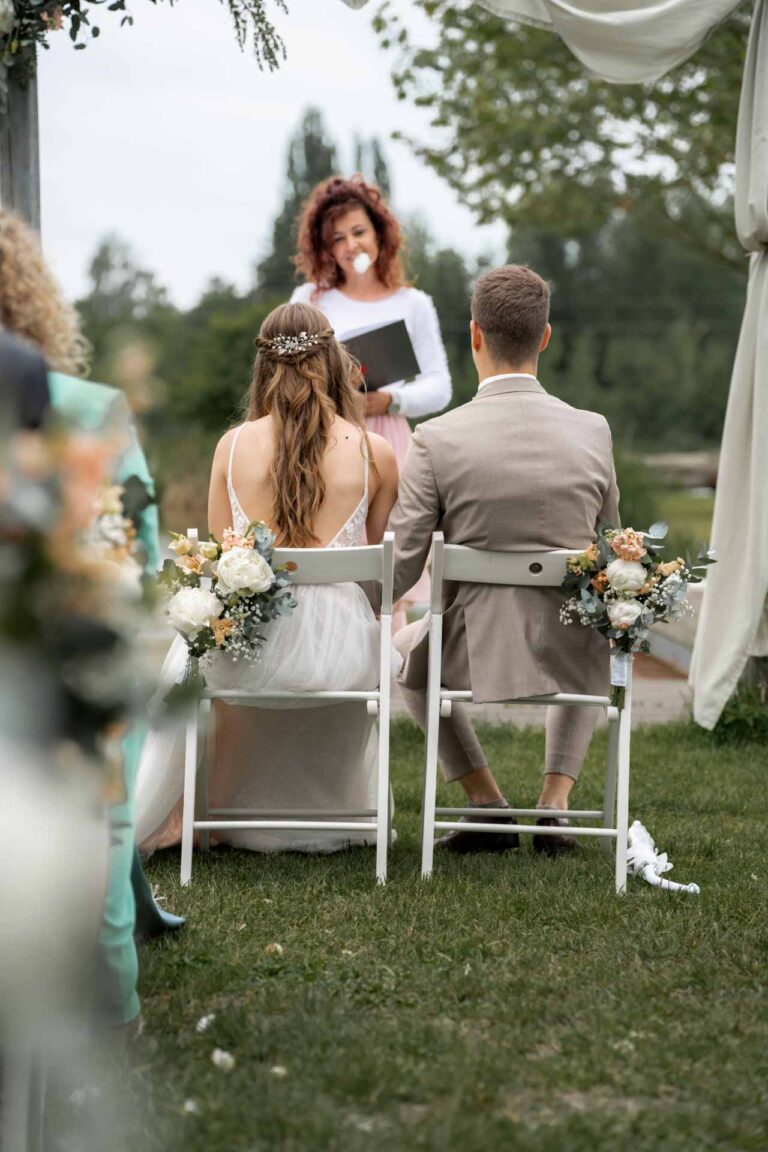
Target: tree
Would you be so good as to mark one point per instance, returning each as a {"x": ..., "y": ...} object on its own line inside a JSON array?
[
  {"x": 371, "y": 161},
  {"x": 123, "y": 300},
  {"x": 311, "y": 157},
  {"x": 26, "y": 24},
  {"x": 443, "y": 273},
  {"x": 527, "y": 136},
  {"x": 644, "y": 329}
]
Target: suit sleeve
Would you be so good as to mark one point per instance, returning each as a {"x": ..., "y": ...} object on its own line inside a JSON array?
[
  {"x": 415, "y": 516},
  {"x": 609, "y": 513}
]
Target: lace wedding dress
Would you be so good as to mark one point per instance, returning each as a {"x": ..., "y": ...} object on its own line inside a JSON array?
[{"x": 319, "y": 757}]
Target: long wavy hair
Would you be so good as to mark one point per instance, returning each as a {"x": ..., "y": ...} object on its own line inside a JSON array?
[
  {"x": 31, "y": 303},
  {"x": 325, "y": 204},
  {"x": 302, "y": 391}
]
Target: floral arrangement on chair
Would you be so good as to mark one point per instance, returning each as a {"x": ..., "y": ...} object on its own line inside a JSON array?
[
  {"x": 622, "y": 587},
  {"x": 245, "y": 591}
]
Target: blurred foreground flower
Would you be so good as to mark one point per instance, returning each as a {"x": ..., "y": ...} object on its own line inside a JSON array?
[{"x": 223, "y": 1060}]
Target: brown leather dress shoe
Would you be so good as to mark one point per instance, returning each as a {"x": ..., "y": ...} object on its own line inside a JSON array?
[
  {"x": 554, "y": 845},
  {"x": 462, "y": 843}
]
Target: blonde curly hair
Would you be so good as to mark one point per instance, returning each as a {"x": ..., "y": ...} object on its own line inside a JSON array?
[{"x": 31, "y": 303}]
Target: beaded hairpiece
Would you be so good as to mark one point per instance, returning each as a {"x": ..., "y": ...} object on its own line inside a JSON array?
[{"x": 284, "y": 347}]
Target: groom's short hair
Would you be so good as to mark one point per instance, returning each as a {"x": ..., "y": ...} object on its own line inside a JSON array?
[{"x": 510, "y": 305}]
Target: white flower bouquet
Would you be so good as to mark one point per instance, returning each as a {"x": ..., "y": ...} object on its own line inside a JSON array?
[
  {"x": 621, "y": 587},
  {"x": 244, "y": 591}
]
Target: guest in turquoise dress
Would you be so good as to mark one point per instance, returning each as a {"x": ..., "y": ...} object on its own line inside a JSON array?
[{"x": 32, "y": 307}]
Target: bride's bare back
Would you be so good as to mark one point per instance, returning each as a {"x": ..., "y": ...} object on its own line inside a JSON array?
[{"x": 343, "y": 470}]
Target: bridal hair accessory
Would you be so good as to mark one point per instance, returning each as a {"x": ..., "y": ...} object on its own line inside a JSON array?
[{"x": 284, "y": 347}]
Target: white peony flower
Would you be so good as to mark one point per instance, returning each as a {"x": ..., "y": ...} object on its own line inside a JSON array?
[
  {"x": 192, "y": 609},
  {"x": 626, "y": 576},
  {"x": 243, "y": 570},
  {"x": 623, "y": 613}
]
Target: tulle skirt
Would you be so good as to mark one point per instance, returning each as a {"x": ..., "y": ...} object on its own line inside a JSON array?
[{"x": 303, "y": 756}]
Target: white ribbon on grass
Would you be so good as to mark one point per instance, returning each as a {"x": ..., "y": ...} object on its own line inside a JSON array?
[{"x": 644, "y": 861}]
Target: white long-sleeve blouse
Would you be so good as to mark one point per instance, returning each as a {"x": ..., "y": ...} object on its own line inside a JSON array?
[{"x": 430, "y": 391}]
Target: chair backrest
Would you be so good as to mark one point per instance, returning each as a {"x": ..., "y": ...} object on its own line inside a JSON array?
[
  {"x": 341, "y": 565},
  {"x": 474, "y": 566}
]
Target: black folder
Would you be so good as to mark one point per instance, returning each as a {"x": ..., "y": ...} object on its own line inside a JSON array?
[{"x": 385, "y": 354}]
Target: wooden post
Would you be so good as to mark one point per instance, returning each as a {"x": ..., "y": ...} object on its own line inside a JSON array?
[{"x": 20, "y": 150}]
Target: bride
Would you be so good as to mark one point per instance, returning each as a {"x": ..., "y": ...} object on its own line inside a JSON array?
[{"x": 303, "y": 463}]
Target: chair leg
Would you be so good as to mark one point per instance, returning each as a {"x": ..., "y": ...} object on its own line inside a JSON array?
[
  {"x": 433, "y": 731},
  {"x": 383, "y": 816},
  {"x": 611, "y": 773},
  {"x": 188, "y": 813},
  {"x": 622, "y": 800},
  {"x": 204, "y": 838}
]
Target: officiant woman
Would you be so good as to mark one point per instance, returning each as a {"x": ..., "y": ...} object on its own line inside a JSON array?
[{"x": 350, "y": 258}]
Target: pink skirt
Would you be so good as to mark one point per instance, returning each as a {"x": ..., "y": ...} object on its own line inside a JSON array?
[{"x": 396, "y": 431}]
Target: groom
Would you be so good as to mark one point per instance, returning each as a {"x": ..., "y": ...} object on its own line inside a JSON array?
[{"x": 514, "y": 470}]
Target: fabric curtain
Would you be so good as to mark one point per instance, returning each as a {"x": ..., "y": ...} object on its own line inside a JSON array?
[
  {"x": 623, "y": 41},
  {"x": 732, "y": 625}
]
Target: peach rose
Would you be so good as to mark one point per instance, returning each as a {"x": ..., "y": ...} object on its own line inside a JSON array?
[
  {"x": 189, "y": 564},
  {"x": 232, "y": 540},
  {"x": 600, "y": 582},
  {"x": 628, "y": 544}
]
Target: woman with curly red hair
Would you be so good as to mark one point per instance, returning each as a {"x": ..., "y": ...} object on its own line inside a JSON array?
[{"x": 349, "y": 255}]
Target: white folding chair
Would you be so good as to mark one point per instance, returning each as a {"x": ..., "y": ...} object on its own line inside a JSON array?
[
  {"x": 532, "y": 569},
  {"x": 314, "y": 566}
]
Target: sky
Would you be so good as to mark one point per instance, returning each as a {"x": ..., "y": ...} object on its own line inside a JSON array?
[{"x": 167, "y": 135}]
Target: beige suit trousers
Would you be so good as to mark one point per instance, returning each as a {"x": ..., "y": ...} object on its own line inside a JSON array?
[{"x": 568, "y": 730}]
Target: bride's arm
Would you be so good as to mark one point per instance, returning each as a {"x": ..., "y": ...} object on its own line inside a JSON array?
[
  {"x": 219, "y": 511},
  {"x": 385, "y": 492}
]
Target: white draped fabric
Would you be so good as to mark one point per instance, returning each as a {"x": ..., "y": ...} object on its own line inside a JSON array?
[
  {"x": 631, "y": 41},
  {"x": 623, "y": 41},
  {"x": 734, "y": 602}
]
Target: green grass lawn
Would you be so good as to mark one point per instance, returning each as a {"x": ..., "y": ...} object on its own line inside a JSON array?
[{"x": 512, "y": 1002}]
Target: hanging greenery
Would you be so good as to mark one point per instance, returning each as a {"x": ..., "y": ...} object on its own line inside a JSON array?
[{"x": 27, "y": 24}]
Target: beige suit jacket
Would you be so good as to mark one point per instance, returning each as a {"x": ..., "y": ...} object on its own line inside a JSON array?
[{"x": 513, "y": 470}]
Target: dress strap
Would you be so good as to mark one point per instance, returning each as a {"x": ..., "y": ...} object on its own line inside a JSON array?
[
  {"x": 365, "y": 458},
  {"x": 239, "y": 518},
  {"x": 232, "y": 456}
]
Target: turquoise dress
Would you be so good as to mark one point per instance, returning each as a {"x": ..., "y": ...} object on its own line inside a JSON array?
[{"x": 92, "y": 407}]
